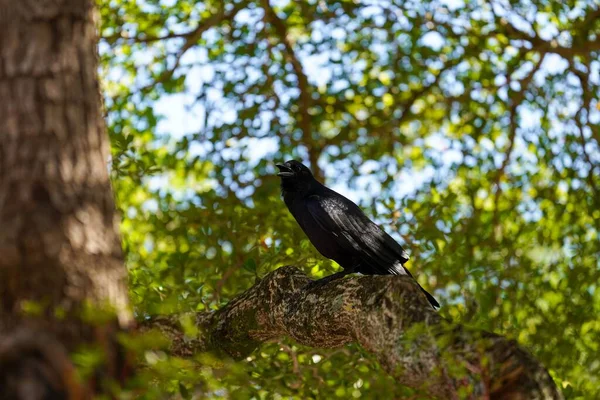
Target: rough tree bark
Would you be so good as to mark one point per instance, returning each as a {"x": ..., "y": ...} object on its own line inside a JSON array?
[
  {"x": 388, "y": 316},
  {"x": 60, "y": 251}
]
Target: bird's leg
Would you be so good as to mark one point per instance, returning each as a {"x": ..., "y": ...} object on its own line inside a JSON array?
[{"x": 327, "y": 279}]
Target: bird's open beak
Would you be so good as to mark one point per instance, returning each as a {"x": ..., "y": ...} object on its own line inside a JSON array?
[{"x": 284, "y": 171}]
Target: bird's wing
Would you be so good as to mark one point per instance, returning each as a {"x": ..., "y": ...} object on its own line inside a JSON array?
[{"x": 354, "y": 231}]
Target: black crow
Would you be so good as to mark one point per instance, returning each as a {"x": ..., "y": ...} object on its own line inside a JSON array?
[{"x": 339, "y": 229}]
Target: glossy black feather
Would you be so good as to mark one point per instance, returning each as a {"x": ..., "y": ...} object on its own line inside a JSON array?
[{"x": 339, "y": 229}]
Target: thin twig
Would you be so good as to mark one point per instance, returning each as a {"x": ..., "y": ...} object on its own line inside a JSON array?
[
  {"x": 514, "y": 101},
  {"x": 192, "y": 37}
]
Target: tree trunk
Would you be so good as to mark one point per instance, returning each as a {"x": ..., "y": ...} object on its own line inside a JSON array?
[{"x": 59, "y": 244}]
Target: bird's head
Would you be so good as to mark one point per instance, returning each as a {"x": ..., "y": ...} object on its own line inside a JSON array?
[{"x": 295, "y": 176}]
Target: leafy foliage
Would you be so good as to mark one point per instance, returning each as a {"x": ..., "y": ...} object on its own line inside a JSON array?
[{"x": 469, "y": 129}]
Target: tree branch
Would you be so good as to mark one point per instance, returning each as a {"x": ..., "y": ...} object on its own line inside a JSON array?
[
  {"x": 303, "y": 87},
  {"x": 586, "y": 105},
  {"x": 388, "y": 316},
  {"x": 552, "y": 46},
  {"x": 145, "y": 39},
  {"x": 514, "y": 101},
  {"x": 192, "y": 37}
]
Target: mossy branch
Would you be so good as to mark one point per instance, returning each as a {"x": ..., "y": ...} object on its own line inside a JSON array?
[{"x": 388, "y": 316}]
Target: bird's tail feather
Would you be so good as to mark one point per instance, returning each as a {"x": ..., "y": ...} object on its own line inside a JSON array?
[
  {"x": 402, "y": 270},
  {"x": 431, "y": 299}
]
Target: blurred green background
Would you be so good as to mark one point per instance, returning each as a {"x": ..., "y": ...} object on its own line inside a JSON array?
[{"x": 469, "y": 129}]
